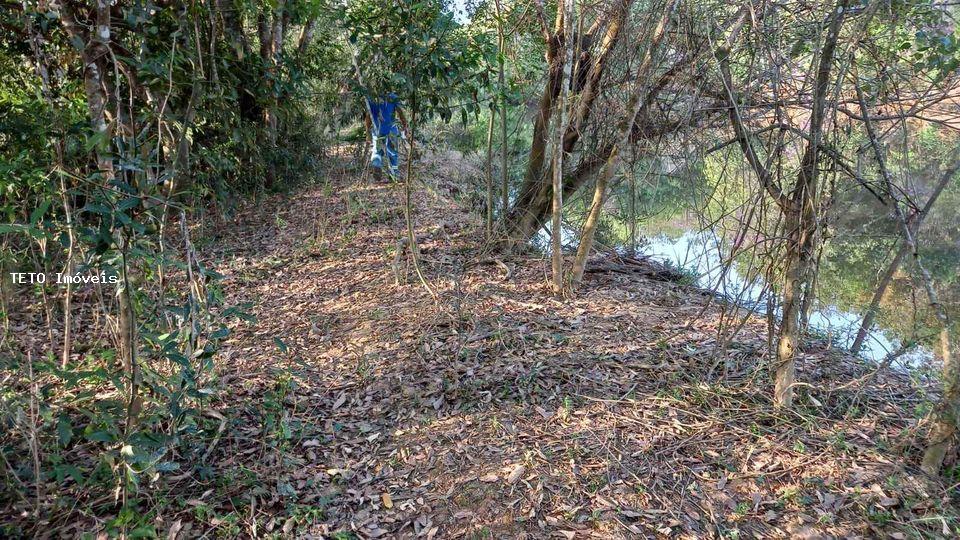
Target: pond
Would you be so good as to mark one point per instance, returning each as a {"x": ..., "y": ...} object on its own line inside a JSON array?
[
  {"x": 703, "y": 255},
  {"x": 687, "y": 213},
  {"x": 844, "y": 289}
]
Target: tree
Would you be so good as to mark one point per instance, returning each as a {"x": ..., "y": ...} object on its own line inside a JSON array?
[
  {"x": 799, "y": 205},
  {"x": 622, "y": 141},
  {"x": 417, "y": 51},
  {"x": 568, "y": 18}
]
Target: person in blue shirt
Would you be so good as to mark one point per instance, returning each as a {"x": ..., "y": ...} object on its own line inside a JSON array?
[{"x": 384, "y": 131}]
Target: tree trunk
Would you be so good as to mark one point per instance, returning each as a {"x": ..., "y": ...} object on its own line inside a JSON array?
[
  {"x": 94, "y": 55},
  {"x": 534, "y": 201},
  {"x": 633, "y": 215},
  {"x": 128, "y": 336},
  {"x": 784, "y": 370},
  {"x": 801, "y": 222},
  {"x": 67, "y": 270},
  {"x": 623, "y": 139},
  {"x": 522, "y": 220},
  {"x": 556, "y": 247},
  {"x": 58, "y": 147},
  {"x": 501, "y": 86},
  {"x": 408, "y": 203},
  {"x": 306, "y": 35},
  {"x": 917, "y": 221},
  {"x": 589, "y": 90},
  {"x": 874, "y": 307},
  {"x": 944, "y": 429},
  {"x": 593, "y": 218},
  {"x": 946, "y": 415},
  {"x": 271, "y": 43},
  {"x": 233, "y": 27},
  {"x": 557, "y": 166},
  {"x": 489, "y": 172}
]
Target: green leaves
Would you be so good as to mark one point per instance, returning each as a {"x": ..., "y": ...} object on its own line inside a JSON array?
[
  {"x": 38, "y": 213},
  {"x": 416, "y": 49},
  {"x": 65, "y": 470},
  {"x": 101, "y": 436},
  {"x": 64, "y": 430},
  {"x": 21, "y": 228}
]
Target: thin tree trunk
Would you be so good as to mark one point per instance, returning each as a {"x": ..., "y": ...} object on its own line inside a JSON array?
[
  {"x": 945, "y": 419},
  {"x": 214, "y": 40},
  {"x": 93, "y": 55},
  {"x": 127, "y": 321},
  {"x": 557, "y": 201},
  {"x": 520, "y": 219},
  {"x": 593, "y": 218},
  {"x": 534, "y": 201},
  {"x": 556, "y": 254},
  {"x": 58, "y": 147},
  {"x": 810, "y": 287},
  {"x": 591, "y": 71},
  {"x": 501, "y": 88},
  {"x": 947, "y": 412},
  {"x": 874, "y": 307},
  {"x": 279, "y": 26},
  {"x": 271, "y": 43},
  {"x": 233, "y": 27},
  {"x": 408, "y": 205},
  {"x": 306, "y": 36},
  {"x": 801, "y": 222},
  {"x": 368, "y": 121},
  {"x": 489, "y": 171},
  {"x": 887, "y": 277},
  {"x": 633, "y": 215},
  {"x": 67, "y": 270},
  {"x": 128, "y": 349},
  {"x": 944, "y": 429},
  {"x": 34, "y": 440}
]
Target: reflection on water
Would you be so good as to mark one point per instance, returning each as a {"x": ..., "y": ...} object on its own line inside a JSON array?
[
  {"x": 703, "y": 255},
  {"x": 700, "y": 253}
]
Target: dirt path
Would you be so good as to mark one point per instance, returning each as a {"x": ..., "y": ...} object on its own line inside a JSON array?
[{"x": 362, "y": 407}]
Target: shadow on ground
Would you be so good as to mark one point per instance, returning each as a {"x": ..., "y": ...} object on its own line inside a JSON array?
[{"x": 363, "y": 407}]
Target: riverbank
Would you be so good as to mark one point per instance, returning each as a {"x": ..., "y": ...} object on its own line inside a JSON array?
[{"x": 499, "y": 411}]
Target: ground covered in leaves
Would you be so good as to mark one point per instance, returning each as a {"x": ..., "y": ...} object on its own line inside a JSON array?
[{"x": 358, "y": 406}]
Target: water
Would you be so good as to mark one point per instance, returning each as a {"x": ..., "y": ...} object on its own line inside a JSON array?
[{"x": 700, "y": 254}]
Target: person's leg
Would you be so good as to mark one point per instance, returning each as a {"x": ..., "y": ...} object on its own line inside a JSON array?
[
  {"x": 376, "y": 152},
  {"x": 391, "y": 146}
]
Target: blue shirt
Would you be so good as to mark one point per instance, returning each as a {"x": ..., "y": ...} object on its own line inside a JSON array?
[{"x": 382, "y": 112}]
